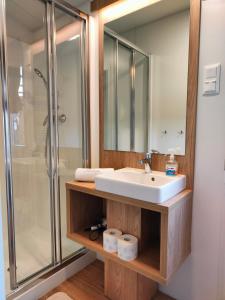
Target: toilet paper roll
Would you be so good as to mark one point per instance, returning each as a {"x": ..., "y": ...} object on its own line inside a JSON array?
[
  {"x": 110, "y": 237},
  {"x": 127, "y": 247}
]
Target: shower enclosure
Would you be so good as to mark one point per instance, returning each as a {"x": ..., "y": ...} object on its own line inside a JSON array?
[{"x": 44, "y": 133}]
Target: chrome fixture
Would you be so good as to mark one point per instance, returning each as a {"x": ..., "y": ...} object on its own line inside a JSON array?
[
  {"x": 61, "y": 119},
  {"x": 147, "y": 161},
  {"x": 40, "y": 74}
]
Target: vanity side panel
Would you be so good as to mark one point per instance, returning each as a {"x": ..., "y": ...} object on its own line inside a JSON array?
[
  {"x": 163, "y": 244},
  {"x": 179, "y": 235}
]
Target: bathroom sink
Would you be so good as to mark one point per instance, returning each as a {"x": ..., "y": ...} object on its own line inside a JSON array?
[{"x": 135, "y": 183}]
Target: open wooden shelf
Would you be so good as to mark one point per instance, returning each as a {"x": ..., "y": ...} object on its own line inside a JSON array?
[
  {"x": 163, "y": 230},
  {"x": 146, "y": 264}
]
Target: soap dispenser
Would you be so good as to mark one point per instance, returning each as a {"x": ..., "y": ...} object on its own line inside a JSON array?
[{"x": 171, "y": 164}]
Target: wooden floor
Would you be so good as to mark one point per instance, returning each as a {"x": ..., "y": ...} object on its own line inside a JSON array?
[{"x": 88, "y": 284}]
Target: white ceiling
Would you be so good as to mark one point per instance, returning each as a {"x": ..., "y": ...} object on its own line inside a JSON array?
[
  {"x": 148, "y": 14},
  {"x": 26, "y": 13},
  {"x": 29, "y": 13}
]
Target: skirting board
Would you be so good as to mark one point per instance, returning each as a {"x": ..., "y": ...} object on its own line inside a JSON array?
[{"x": 54, "y": 280}]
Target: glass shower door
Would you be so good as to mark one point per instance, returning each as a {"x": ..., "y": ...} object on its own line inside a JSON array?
[
  {"x": 71, "y": 124},
  {"x": 28, "y": 111},
  {"x": 45, "y": 130}
]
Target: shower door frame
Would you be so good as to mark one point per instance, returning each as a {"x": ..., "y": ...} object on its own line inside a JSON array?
[{"x": 54, "y": 216}]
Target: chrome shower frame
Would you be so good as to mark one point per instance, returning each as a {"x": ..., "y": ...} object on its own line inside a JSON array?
[{"x": 53, "y": 128}]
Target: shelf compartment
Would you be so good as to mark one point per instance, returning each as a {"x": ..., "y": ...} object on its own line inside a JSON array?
[
  {"x": 150, "y": 228},
  {"x": 146, "y": 264},
  {"x": 83, "y": 210}
]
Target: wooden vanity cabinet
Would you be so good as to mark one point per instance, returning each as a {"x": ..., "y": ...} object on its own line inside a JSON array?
[{"x": 163, "y": 231}]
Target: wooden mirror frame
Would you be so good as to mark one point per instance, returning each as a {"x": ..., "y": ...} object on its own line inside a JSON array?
[{"x": 121, "y": 159}]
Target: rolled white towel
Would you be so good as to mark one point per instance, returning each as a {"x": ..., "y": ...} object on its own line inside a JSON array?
[{"x": 84, "y": 174}]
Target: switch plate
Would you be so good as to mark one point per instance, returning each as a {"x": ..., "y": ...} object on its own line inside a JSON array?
[
  {"x": 210, "y": 86},
  {"x": 211, "y": 82}
]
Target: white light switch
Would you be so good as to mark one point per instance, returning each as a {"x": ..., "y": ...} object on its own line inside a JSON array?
[
  {"x": 211, "y": 83},
  {"x": 210, "y": 71},
  {"x": 210, "y": 86}
]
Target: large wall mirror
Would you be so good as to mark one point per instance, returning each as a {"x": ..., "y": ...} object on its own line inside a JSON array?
[
  {"x": 146, "y": 56},
  {"x": 148, "y": 79}
]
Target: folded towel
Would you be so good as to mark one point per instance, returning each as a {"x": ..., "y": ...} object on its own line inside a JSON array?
[{"x": 82, "y": 174}]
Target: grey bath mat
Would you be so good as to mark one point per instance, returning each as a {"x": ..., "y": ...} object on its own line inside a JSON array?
[{"x": 59, "y": 296}]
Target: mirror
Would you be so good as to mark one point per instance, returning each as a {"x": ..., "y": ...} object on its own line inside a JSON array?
[{"x": 145, "y": 78}]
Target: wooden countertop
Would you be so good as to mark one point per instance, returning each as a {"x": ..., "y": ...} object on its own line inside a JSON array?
[{"x": 89, "y": 188}]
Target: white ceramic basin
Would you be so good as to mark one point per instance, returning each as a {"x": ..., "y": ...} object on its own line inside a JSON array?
[{"x": 135, "y": 183}]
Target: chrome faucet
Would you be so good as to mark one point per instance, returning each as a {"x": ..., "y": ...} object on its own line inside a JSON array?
[{"x": 147, "y": 161}]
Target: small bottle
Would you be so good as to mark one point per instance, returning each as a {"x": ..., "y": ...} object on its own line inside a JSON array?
[{"x": 171, "y": 165}]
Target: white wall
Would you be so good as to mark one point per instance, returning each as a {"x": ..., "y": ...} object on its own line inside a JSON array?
[{"x": 202, "y": 277}]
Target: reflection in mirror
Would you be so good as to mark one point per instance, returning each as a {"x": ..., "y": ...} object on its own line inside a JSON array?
[
  {"x": 141, "y": 104},
  {"x": 124, "y": 89},
  {"x": 110, "y": 132},
  {"x": 145, "y": 78},
  {"x": 126, "y": 75}
]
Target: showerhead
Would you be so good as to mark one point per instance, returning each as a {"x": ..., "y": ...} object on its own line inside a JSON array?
[{"x": 39, "y": 74}]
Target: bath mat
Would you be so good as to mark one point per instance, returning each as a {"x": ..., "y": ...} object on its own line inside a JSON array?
[{"x": 59, "y": 296}]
